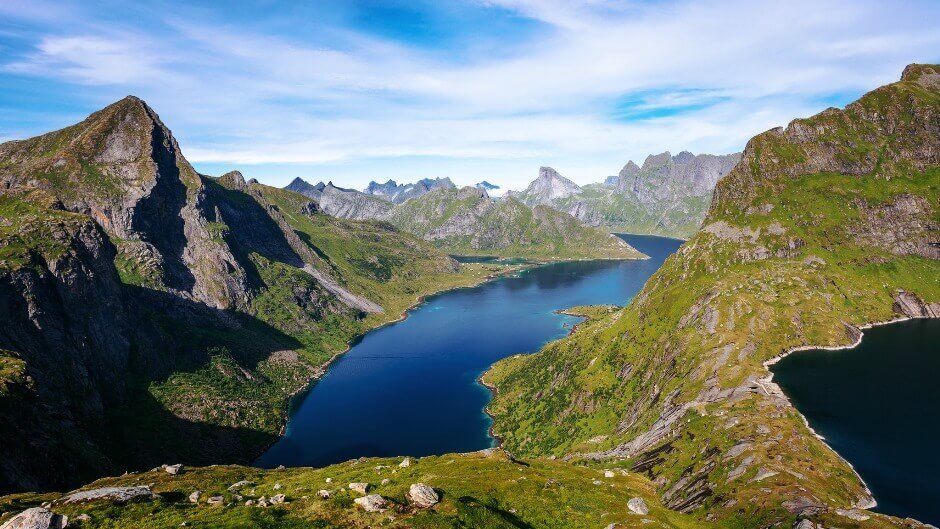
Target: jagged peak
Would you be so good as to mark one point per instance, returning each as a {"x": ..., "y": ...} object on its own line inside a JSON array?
[
  {"x": 630, "y": 169},
  {"x": 927, "y": 75},
  {"x": 234, "y": 180}
]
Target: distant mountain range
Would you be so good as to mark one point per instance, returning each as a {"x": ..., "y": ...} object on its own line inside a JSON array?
[
  {"x": 467, "y": 220},
  {"x": 398, "y": 193},
  {"x": 668, "y": 195}
]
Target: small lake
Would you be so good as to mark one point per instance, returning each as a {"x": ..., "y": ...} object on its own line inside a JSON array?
[
  {"x": 878, "y": 405},
  {"x": 411, "y": 388}
]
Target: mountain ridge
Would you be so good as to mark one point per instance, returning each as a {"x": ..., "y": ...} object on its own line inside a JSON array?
[{"x": 195, "y": 301}]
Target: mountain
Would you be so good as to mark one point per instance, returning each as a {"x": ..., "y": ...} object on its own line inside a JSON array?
[
  {"x": 485, "y": 186},
  {"x": 660, "y": 413},
  {"x": 299, "y": 185},
  {"x": 398, "y": 193},
  {"x": 150, "y": 312},
  {"x": 339, "y": 202},
  {"x": 823, "y": 226},
  {"x": 467, "y": 221},
  {"x": 668, "y": 195},
  {"x": 547, "y": 189}
]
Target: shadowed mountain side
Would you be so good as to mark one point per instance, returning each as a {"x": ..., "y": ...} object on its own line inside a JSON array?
[{"x": 172, "y": 311}]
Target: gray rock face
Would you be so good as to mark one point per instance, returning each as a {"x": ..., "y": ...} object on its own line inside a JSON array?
[
  {"x": 665, "y": 178},
  {"x": 372, "y": 503},
  {"x": 668, "y": 195},
  {"x": 36, "y": 518},
  {"x": 351, "y": 204},
  {"x": 638, "y": 506},
  {"x": 422, "y": 495},
  {"x": 399, "y": 193},
  {"x": 299, "y": 185},
  {"x": 113, "y": 494},
  {"x": 548, "y": 188}
]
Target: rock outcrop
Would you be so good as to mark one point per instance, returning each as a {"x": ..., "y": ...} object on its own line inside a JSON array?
[
  {"x": 668, "y": 195},
  {"x": 36, "y": 518},
  {"x": 422, "y": 496}
]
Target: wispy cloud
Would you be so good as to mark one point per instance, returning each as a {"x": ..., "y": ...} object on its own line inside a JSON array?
[{"x": 584, "y": 85}]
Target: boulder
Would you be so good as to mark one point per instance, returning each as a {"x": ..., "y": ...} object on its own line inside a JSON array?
[
  {"x": 36, "y": 518},
  {"x": 114, "y": 494},
  {"x": 372, "y": 503},
  {"x": 216, "y": 500},
  {"x": 173, "y": 469},
  {"x": 405, "y": 463},
  {"x": 638, "y": 506},
  {"x": 325, "y": 494},
  {"x": 609, "y": 474},
  {"x": 240, "y": 484},
  {"x": 804, "y": 524},
  {"x": 278, "y": 498},
  {"x": 194, "y": 497},
  {"x": 853, "y": 514},
  {"x": 423, "y": 496},
  {"x": 361, "y": 488}
]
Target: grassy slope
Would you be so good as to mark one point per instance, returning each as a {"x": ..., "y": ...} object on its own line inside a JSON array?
[
  {"x": 786, "y": 263},
  {"x": 506, "y": 228},
  {"x": 478, "y": 491},
  {"x": 370, "y": 259}
]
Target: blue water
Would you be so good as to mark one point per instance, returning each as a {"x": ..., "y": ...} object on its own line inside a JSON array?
[
  {"x": 877, "y": 406},
  {"x": 411, "y": 388}
]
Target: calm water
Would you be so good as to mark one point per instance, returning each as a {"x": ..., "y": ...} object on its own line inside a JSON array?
[
  {"x": 878, "y": 405},
  {"x": 410, "y": 388}
]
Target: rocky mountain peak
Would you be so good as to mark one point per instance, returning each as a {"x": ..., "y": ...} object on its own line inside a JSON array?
[
  {"x": 655, "y": 161},
  {"x": 399, "y": 193},
  {"x": 234, "y": 180},
  {"x": 926, "y": 75},
  {"x": 299, "y": 185},
  {"x": 550, "y": 185},
  {"x": 629, "y": 170}
]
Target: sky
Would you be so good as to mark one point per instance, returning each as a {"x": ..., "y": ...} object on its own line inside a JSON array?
[{"x": 353, "y": 91}]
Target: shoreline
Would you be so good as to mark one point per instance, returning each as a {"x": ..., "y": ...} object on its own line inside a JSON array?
[
  {"x": 321, "y": 369},
  {"x": 494, "y": 391},
  {"x": 774, "y": 388}
]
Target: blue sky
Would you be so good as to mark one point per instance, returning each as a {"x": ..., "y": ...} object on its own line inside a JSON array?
[{"x": 480, "y": 89}]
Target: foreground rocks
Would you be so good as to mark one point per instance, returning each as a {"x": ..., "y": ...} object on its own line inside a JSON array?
[
  {"x": 372, "y": 503},
  {"x": 638, "y": 506},
  {"x": 115, "y": 494},
  {"x": 36, "y": 518},
  {"x": 423, "y": 496}
]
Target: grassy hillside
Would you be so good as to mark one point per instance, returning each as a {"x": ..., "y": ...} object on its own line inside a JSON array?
[
  {"x": 480, "y": 490},
  {"x": 822, "y": 227},
  {"x": 466, "y": 222},
  {"x": 160, "y": 313}
]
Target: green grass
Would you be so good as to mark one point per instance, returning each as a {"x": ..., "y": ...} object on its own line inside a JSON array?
[
  {"x": 476, "y": 491},
  {"x": 833, "y": 250}
]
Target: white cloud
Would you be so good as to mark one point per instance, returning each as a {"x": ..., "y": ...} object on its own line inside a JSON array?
[{"x": 728, "y": 70}]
